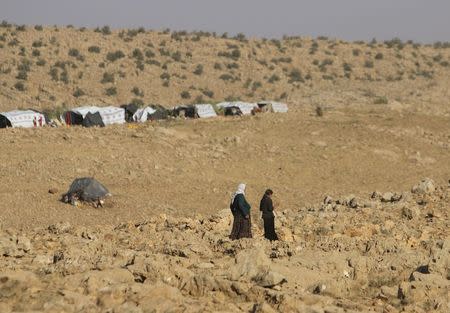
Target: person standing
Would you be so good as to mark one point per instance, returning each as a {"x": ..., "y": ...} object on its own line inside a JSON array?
[
  {"x": 242, "y": 225},
  {"x": 266, "y": 207}
]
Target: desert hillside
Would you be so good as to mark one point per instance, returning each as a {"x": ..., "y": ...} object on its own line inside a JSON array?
[{"x": 50, "y": 67}]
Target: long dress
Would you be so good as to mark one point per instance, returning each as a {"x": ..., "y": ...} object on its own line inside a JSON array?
[
  {"x": 266, "y": 206},
  {"x": 242, "y": 226}
]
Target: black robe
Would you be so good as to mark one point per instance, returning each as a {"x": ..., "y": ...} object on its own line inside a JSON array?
[{"x": 266, "y": 207}]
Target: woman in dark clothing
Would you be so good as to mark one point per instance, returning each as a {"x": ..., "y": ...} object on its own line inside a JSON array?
[
  {"x": 266, "y": 207},
  {"x": 242, "y": 225}
]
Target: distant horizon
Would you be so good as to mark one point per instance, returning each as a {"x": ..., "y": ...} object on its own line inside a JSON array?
[{"x": 348, "y": 20}]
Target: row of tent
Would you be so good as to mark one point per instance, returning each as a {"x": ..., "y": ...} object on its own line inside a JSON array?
[{"x": 89, "y": 116}]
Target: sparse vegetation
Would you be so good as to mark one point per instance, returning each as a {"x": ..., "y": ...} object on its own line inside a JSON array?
[
  {"x": 114, "y": 56},
  {"x": 185, "y": 95},
  {"x": 107, "y": 78},
  {"x": 78, "y": 93},
  {"x": 198, "y": 70},
  {"x": 94, "y": 49},
  {"x": 111, "y": 91}
]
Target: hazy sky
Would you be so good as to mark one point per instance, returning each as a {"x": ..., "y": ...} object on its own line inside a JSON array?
[{"x": 419, "y": 20}]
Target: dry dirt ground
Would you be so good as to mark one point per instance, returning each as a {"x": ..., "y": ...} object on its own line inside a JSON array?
[{"x": 160, "y": 244}]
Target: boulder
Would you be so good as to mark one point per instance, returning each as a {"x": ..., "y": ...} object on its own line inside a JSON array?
[
  {"x": 250, "y": 264},
  {"x": 426, "y": 186}
]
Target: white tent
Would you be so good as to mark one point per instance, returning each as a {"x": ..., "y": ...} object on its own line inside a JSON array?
[
  {"x": 277, "y": 107},
  {"x": 205, "y": 110},
  {"x": 141, "y": 115},
  {"x": 26, "y": 119},
  {"x": 110, "y": 115},
  {"x": 245, "y": 107}
]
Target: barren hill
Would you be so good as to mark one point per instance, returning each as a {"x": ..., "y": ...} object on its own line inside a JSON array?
[{"x": 49, "y": 67}]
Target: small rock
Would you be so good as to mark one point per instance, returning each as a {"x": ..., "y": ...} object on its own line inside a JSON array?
[
  {"x": 271, "y": 279},
  {"x": 53, "y": 191},
  {"x": 426, "y": 186},
  {"x": 387, "y": 197}
]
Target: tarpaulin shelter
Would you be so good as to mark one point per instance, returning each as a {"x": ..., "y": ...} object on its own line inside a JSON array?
[{"x": 19, "y": 118}]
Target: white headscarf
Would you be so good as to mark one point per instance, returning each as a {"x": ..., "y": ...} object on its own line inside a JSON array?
[{"x": 240, "y": 191}]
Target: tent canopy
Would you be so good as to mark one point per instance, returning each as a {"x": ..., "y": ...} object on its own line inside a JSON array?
[
  {"x": 276, "y": 107},
  {"x": 205, "y": 110},
  {"x": 109, "y": 115},
  {"x": 18, "y": 118},
  {"x": 245, "y": 107},
  {"x": 87, "y": 189}
]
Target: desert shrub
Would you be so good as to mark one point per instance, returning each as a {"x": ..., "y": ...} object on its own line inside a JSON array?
[
  {"x": 53, "y": 40},
  {"x": 327, "y": 77},
  {"x": 347, "y": 67},
  {"x": 189, "y": 54},
  {"x": 256, "y": 85},
  {"x": 153, "y": 62},
  {"x": 64, "y": 77},
  {"x": 295, "y": 76},
  {"x": 113, "y": 56},
  {"x": 140, "y": 65},
  {"x": 137, "y": 92},
  {"x": 164, "y": 53},
  {"x": 166, "y": 83},
  {"x": 19, "y": 86},
  {"x": 247, "y": 83},
  {"x": 368, "y": 64},
  {"x": 165, "y": 76},
  {"x": 3, "y": 38},
  {"x": 149, "y": 54},
  {"x": 74, "y": 52},
  {"x": 41, "y": 62},
  {"x": 137, "y": 54},
  {"x": 444, "y": 63},
  {"x": 36, "y": 53},
  {"x": 235, "y": 54},
  {"x": 198, "y": 70},
  {"x": 13, "y": 42},
  {"x": 233, "y": 65},
  {"x": 37, "y": 44},
  {"x": 111, "y": 91},
  {"x": 54, "y": 73},
  {"x": 380, "y": 100},
  {"x": 240, "y": 37},
  {"x": 379, "y": 56},
  {"x": 101, "y": 65},
  {"x": 437, "y": 58},
  {"x": 94, "y": 49},
  {"x": 21, "y": 28},
  {"x": 38, "y": 27},
  {"x": 356, "y": 52},
  {"x": 185, "y": 95},
  {"x": 176, "y": 56},
  {"x": 226, "y": 77},
  {"x": 208, "y": 93},
  {"x": 107, "y": 78},
  {"x": 137, "y": 102},
  {"x": 24, "y": 65},
  {"x": 217, "y": 66},
  {"x": 78, "y": 93},
  {"x": 1, "y": 46},
  {"x": 106, "y": 30},
  {"x": 274, "y": 78},
  {"x": 22, "y": 75}
]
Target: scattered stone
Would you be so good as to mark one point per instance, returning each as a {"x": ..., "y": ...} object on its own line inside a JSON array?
[
  {"x": 426, "y": 186},
  {"x": 53, "y": 191}
]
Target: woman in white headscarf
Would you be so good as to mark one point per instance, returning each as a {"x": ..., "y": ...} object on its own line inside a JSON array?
[{"x": 242, "y": 225}]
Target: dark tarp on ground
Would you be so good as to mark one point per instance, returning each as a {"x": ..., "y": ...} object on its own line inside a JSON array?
[
  {"x": 130, "y": 109},
  {"x": 87, "y": 189},
  {"x": 160, "y": 114},
  {"x": 231, "y": 111},
  {"x": 4, "y": 122},
  {"x": 93, "y": 119},
  {"x": 72, "y": 118},
  {"x": 185, "y": 111}
]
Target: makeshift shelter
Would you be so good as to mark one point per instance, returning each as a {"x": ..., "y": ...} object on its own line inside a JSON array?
[
  {"x": 232, "y": 111},
  {"x": 130, "y": 110},
  {"x": 187, "y": 111},
  {"x": 205, "y": 110},
  {"x": 160, "y": 113},
  {"x": 272, "y": 106},
  {"x": 18, "y": 118},
  {"x": 86, "y": 189},
  {"x": 245, "y": 107},
  {"x": 141, "y": 115},
  {"x": 109, "y": 115},
  {"x": 93, "y": 119}
]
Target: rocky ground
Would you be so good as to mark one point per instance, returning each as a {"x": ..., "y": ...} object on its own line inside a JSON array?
[{"x": 386, "y": 252}]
